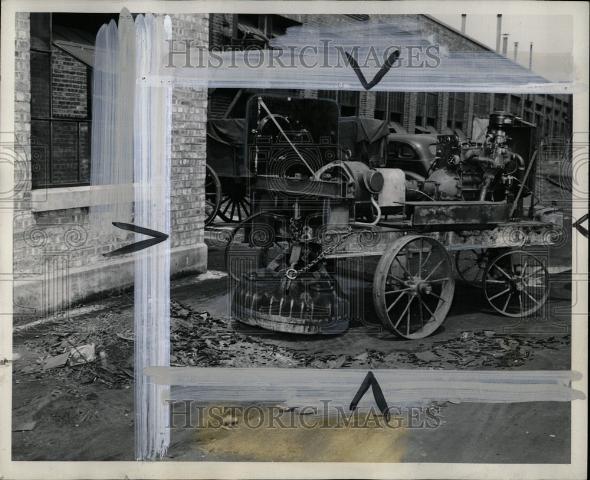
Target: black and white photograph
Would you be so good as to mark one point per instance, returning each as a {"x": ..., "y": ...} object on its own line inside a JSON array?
[{"x": 247, "y": 235}]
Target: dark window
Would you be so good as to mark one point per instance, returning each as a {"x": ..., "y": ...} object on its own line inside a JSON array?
[
  {"x": 60, "y": 138},
  {"x": 395, "y": 117},
  {"x": 431, "y": 106},
  {"x": 396, "y": 102},
  {"x": 347, "y": 101}
]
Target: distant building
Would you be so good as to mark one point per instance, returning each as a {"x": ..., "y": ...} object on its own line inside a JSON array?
[{"x": 413, "y": 112}]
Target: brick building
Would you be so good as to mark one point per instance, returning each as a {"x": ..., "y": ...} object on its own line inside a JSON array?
[
  {"x": 58, "y": 254},
  {"x": 415, "y": 112}
]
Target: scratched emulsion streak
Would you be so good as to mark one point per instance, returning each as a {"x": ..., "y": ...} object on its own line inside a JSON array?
[
  {"x": 313, "y": 387},
  {"x": 314, "y": 57}
]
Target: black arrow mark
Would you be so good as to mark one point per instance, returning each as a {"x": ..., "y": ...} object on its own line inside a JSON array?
[
  {"x": 380, "y": 74},
  {"x": 137, "y": 246},
  {"x": 371, "y": 381},
  {"x": 578, "y": 225}
]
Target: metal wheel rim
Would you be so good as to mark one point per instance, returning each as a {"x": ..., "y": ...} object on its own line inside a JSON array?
[
  {"x": 433, "y": 306},
  {"x": 500, "y": 291},
  {"x": 212, "y": 195}
]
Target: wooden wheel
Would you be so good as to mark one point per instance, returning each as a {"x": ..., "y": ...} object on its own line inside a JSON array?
[
  {"x": 413, "y": 286},
  {"x": 235, "y": 202},
  {"x": 516, "y": 284},
  {"x": 471, "y": 265},
  {"x": 212, "y": 195}
]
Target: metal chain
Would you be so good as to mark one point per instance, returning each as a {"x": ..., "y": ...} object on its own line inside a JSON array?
[{"x": 293, "y": 273}]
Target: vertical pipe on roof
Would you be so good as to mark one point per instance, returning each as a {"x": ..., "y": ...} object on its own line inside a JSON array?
[
  {"x": 498, "y": 31},
  {"x": 463, "y": 22}
]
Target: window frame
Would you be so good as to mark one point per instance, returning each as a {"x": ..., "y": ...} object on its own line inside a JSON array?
[{"x": 51, "y": 120}]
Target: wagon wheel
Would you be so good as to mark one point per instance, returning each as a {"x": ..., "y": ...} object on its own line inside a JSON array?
[
  {"x": 212, "y": 195},
  {"x": 516, "y": 284},
  {"x": 413, "y": 286},
  {"x": 235, "y": 203},
  {"x": 255, "y": 245},
  {"x": 471, "y": 265}
]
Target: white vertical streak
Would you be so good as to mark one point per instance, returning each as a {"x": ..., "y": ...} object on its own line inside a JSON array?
[
  {"x": 112, "y": 120},
  {"x": 152, "y": 210}
]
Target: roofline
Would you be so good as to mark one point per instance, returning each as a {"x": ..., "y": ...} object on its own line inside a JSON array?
[
  {"x": 477, "y": 42},
  {"x": 459, "y": 32}
]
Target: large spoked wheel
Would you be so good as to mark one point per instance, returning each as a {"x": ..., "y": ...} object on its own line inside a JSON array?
[
  {"x": 413, "y": 286},
  {"x": 471, "y": 265},
  {"x": 516, "y": 284},
  {"x": 212, "y": 195},
  {"x": 235, "y": 201},
  {"x": 256, "y": 243}
]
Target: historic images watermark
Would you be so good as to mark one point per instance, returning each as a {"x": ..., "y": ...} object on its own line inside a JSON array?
[
  {"x": 187, "y": 53},
  {"x": 188, "y": 414}
]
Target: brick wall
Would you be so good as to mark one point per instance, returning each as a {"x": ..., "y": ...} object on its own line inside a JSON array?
[
  {"x": 189, "y": 126},
  {"x": 69, "y": 85},
  {"x": 22, "y": 112},
  {"x": 58, "y": 255},
  {"x": 220, "y": 26}
]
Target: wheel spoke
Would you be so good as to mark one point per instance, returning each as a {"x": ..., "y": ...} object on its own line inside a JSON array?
[
  {"x": 399, "y": 280},
  {"x": 227, "y": 206},
  {"x": 437, "y": 296},
  {"x": 410, "y": 300},
  {"x": 520, "y": 301},
  {"x": 428, "y": 257},
  {"x": 503, "y": 292},
  {"x": 444, "y": 279},
  {"x": 395, "y": 301},
  {"x": 536, "y": 273},
  {"x": 403, "y": 267},
  {"x": 397, "y": 291},
  {"x": 531, "y": 297},
  {"x": 420, "y": 259},
  {"x": 507, "y": 302},
  {"x": 502, "y": 271},
  {"x": 428, "y": 309},
  {"x": 434, "y": 269}
]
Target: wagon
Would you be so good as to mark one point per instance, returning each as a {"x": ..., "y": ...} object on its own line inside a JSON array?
[
  {"x": 312, "y": 209},
  {"x": 227, "y": 180}
]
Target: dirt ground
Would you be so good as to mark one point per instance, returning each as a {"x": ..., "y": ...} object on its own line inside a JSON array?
[{"x": 85, "y": 411}]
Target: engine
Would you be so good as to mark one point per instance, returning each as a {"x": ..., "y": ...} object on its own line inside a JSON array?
[{"x": 490, "y": 172}]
